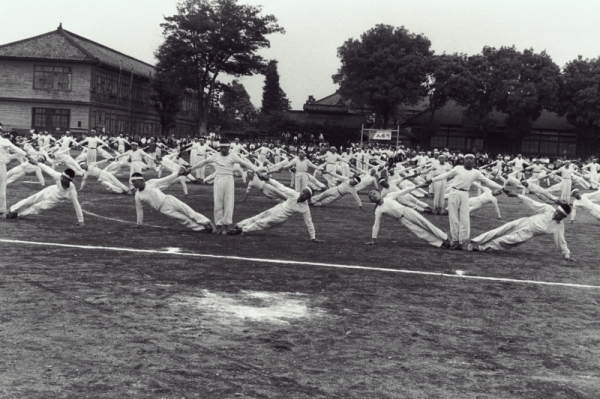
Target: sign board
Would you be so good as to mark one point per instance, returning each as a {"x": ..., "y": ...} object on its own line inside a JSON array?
[{"x": 380, "y": 135}]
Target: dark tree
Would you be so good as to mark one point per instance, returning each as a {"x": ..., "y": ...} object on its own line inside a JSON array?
[
  {"x": 519, "y": 84},
  {"x": 387, "y": 67},
  {"x": 274, "y": 98},
  {"x": 167, "y": 98},
  {"x": 580, "y": 96},
  {"x": 211, "y": 37},
  {"x": 238, "y": 110}
]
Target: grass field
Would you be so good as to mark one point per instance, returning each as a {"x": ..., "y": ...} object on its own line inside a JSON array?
[{"x": 102, "y": 323}]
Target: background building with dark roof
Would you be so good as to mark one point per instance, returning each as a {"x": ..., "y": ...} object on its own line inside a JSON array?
[
  {"x": 60, "y": 81},
  {"x": 550, "y": 134}
]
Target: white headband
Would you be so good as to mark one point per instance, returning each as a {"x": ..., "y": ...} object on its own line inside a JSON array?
[
  {"x": 137, "y": 178},
  {"x": 67, "y": 176}
]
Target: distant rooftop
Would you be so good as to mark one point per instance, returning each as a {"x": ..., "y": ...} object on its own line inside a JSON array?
[{"x": 62, "y": 45}]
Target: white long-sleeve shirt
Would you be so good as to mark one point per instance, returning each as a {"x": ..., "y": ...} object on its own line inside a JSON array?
[
  {"x": 58, "y": 193},
  {"x": 462, "y": 179},
  {"x": 543, "y": 223},
  {"x": 5, "y": 148},
  {"x": 152, "y": 195},
  {"x": 224, "y": 164},
  {"x": 390, "y": 207},
  {"x": 291, "y": 206},
  {"x": 589, "y": 202}
]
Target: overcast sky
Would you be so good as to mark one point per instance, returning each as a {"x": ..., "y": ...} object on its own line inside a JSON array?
[{"x": 316, "y": 28}]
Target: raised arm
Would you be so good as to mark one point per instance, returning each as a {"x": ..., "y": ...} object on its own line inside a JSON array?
[
  {"x": 242, "y": 162},
  {"x": 139, "y": 211},
  {"x": 75, "y": 201},
  {"x": 561, "y": 242},
  {"x": 445, "y": 176},
  {"x": 535, "y": 206}
]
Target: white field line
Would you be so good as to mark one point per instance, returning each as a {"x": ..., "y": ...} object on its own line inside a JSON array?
[
  {"x": 293, "y": 262},
  {"x": 119, "y": 220}
]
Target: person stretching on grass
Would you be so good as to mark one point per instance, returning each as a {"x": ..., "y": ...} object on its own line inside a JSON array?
[
  {"x": 547, "y": 220},
  {"x": 149, "y": 192},
  {"x": 416, "y": 223},
  {"x": 48, "y": 198},
  {"x": 588, "y": 201},
  {"x": 279, "y": 214}
]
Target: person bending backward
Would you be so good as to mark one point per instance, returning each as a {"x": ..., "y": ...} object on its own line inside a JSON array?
[
  {"x": 347, "y": 186},
  {"x": 588, "y": 201},
  {"x": 108, "y": 180},
  {"x": 547, "y": 220},
  {"x": 281, "y": 213},
  {"x": 6, "y": 147},
  {"x": 223, "y": 189},
  {"x": 48, "y": 198},
  {"x": 416, "y": 223},
  {"x": 458, "y": 199},
  {"x": 149, "y": 192}
]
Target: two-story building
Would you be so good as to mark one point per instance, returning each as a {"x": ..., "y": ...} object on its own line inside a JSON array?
[{"x": 60, "y": 81}]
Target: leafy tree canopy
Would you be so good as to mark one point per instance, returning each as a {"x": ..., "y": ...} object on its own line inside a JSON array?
[
  {"x": 387, "y": 67},
  {"x": 210, "y": 37}
]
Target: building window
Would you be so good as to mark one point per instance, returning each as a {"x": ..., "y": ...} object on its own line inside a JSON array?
[
  {"x": 51, "y": 78},
  {"x": 550, "y": 143},
  {"x": 50, "y": 119}
]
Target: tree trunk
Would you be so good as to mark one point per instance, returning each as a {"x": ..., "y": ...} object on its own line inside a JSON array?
[{"x": 202, "y": 115}]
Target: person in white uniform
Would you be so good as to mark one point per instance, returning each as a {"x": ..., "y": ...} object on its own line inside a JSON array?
[
  {"x": 547, "y": 220},
  {"x": 417, "y": 224},
  {"x": 6, "y": 148},
  {"x": 295, "y": 203},
  {"x": 566, "y": 171},
  {"x": 589, "y": 201},
  {"x": 106, "y": 179},
  {"x": 438, "y": 187},
  {"x": 331, "y": 157},
  {"x": 301, "y": 164},
  {"x": 135, "y": 157},
  {"x": 223, "y": 189},
  {"x": 268, "y": 190},
  {"x": 348, "y": 186},
  {"x": 486, "y": 197},
  {"x": 149, "y": 192},
  {"x": 458, "y": 199},
  {"x": 23, "y": 169},
  {"x": 92, "y": 145},
  {"x": 51, "y": 196}
]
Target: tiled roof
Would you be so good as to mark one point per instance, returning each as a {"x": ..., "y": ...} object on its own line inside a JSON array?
[
  {"x": 109, "y": 56},
  {"x": 67, "y": 46},
  {"x": 51, "y": 45}
]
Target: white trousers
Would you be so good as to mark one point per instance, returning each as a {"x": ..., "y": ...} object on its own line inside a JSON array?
[
  {"x": 327, "y": 197},
  {"x": 506, "y": 236},
  {"x": 301, "y": 181},
  {"x": 423, "y": 228},
  {"x": 253, "y": 219},
  {"x": 458, "y": 213},
  {"x": 111, "y": 183},
  {"x": 91, "y": 155},
  {"x": 37, "y": 202},
  {"x": 19, "y": 171},
  {"x": 183, "y": 214},
  {"x": 268, "y": 219},
  {"x": 439, "y": 189},
  {"x": 3, "y": 183},
  {"x": 223, "y": 195},
  {"x": 565, "y": 194}
]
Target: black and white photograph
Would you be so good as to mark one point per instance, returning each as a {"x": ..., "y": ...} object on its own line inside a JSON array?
[{"x": 292, "y": 199}]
